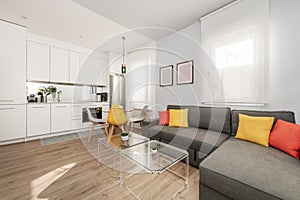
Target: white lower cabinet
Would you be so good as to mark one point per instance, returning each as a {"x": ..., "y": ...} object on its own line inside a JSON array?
[
  {"x": 76, "y": 116},
  {"x": 60, "y": 117},
  {"x": 13, "y": 122},
  {"x": 38, "y": 119}
]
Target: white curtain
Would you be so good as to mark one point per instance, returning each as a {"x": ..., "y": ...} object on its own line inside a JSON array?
[{"x": 236, "y": 39}]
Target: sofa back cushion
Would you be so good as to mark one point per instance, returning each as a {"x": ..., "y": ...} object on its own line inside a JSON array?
[
  {"x": 211, "y": 118},
  {"x": 284, "y": 115},
  {"x": 215, "y": 118}
]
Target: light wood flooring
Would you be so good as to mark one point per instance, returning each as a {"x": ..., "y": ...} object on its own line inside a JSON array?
[{"x": 66, "y": 170}]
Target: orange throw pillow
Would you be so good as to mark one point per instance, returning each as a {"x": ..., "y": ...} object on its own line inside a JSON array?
[
  {"x": 285, "y": 136},
  {"x": 164, "y": 117}
]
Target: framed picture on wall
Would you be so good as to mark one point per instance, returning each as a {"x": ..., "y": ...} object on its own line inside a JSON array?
[
  {"x": 166, "y": 76},
  {"x": 185, "y": 72}
]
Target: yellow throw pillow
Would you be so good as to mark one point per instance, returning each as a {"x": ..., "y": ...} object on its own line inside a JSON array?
[
  {"x": 178, "y": 118},
  {"x": 255, "y": 129}
]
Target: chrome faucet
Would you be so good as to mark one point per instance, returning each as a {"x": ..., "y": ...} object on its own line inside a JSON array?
[{"x": 59, "y": 95}]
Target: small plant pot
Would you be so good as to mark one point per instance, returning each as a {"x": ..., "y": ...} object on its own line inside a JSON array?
[
  {"x": 153, "y": 151},
  {"x": 124, "y": 138}
]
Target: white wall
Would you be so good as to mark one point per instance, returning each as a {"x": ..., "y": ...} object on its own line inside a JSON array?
[
  {"x": 140, "y": 75},
  {"x": 284, "y": 61},
  {"x": 284, "y": 55},
  {"x": 175, "y": 48}
]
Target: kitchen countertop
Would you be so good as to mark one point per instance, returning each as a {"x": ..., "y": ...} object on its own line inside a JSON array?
[{"x": 71, "y": 102}]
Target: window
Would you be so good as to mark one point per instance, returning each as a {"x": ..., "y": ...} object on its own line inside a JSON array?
[{"x": 236, "y": 40}]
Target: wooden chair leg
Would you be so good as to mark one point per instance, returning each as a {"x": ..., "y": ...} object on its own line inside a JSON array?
[
  {"x": 91, "y": 132},
  {"x": 111, "y": 131},
  {"x": 123, "y": 128},
  {"x": 130, "y": 128},
  {"x": 141, "y": 124},
  {"x": 105, "y": 129}
]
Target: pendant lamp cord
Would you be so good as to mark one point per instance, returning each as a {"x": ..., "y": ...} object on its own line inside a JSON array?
[{"x": 123, "y": 38}]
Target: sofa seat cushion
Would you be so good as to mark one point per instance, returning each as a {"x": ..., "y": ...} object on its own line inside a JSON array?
[
  {"x": 244, "y": 170},
  {"x": 194, "y": 138}
]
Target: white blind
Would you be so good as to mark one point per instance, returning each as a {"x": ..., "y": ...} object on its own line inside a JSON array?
[{"x": 236, "y": 39}]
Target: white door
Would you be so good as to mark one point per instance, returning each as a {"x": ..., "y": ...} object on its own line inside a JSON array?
[
  {"x": 12, "y": 64},
  {"x": 38, "y": 119},
  {"x": 60, "y": 117},
  {"x": 59, "y": 65},
  {"x": 37, "y": 61},
  {"x": 74, "y": 66},
  {"x": 13, "y": 122}
]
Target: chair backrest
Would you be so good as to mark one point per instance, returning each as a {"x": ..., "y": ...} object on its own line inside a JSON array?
[
  {"x": 116, "y": 116},
  {"x": 90, "y": 116},
  {"x": 144, "y": 111}
]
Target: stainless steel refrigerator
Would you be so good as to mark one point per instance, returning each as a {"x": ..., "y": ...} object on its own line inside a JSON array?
[{"x": 117, "y": 89}]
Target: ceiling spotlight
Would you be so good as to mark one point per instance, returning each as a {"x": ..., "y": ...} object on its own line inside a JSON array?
[
  {"x": 24, "y": 17},
  {"x": 80, "y": 36}
]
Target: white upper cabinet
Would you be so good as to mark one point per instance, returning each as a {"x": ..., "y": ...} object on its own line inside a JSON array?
[
  {"x": 89, "y": 69},
  {"x": 104, "y": 72},
  {"x": 12, "y": 63},
  {"x": 59, "y": 65},
  {"x": 37, "y": 61},
  {"x": 93, "y": 70},
  {"x": 74, "y": 66}
]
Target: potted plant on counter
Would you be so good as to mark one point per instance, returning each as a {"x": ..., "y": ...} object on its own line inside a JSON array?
[{"x": 52, "y": 90}]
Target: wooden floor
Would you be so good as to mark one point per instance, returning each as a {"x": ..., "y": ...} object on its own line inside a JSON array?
[{"x": 66, "y": 170}]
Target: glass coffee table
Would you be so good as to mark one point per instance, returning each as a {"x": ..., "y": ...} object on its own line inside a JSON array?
[
  {"x": 109, "y": 152},
  {"x": 156, "y": 162}
]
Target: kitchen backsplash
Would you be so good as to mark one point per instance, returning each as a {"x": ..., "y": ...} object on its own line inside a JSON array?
[{"x": 69, "y": 93}]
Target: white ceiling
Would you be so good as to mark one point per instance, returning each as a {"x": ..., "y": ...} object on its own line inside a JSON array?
[
  {"x": 62, "y": 20},
  {"x": 171, "y": 14},
  {"x": 88, "y": 23}
]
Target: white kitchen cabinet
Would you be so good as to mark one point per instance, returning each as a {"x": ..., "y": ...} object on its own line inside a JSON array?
[
  {"x": 74, "y": 67},
  {"x": 13, "y": 122},
  {"x": 38, "y": 119},
  {"x": 37, "y": 61},
  {"x": 90, "y": 69},
  {"x": 59, "y": 65},
  {"x": 104, "y": 72},
  {"x": 76, "y": 116},
  {"x": 12, "y": 63},
  {"x": 60, "y": 117}
]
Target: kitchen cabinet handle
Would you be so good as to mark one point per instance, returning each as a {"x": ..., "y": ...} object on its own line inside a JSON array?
[
  {"x": 6, "y": 100},
  {"x": 76, "y": 119},
  {"x": 77, "y": 106},
  {"x": 7, "y": 108},
  {"x": 60, "y": 106},
  {"x": 39, "y": 107}
]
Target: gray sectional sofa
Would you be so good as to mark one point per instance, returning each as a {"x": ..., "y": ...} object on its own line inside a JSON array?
[
  {"x": 243, "y": 170},
  {"x": 208, "y": 128},
  {"x": 231, "y": 168}
]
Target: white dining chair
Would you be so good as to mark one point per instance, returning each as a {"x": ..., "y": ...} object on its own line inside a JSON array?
[
  {"x": 139, "y": 119},
  {"x": 94, "y": 122}
]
